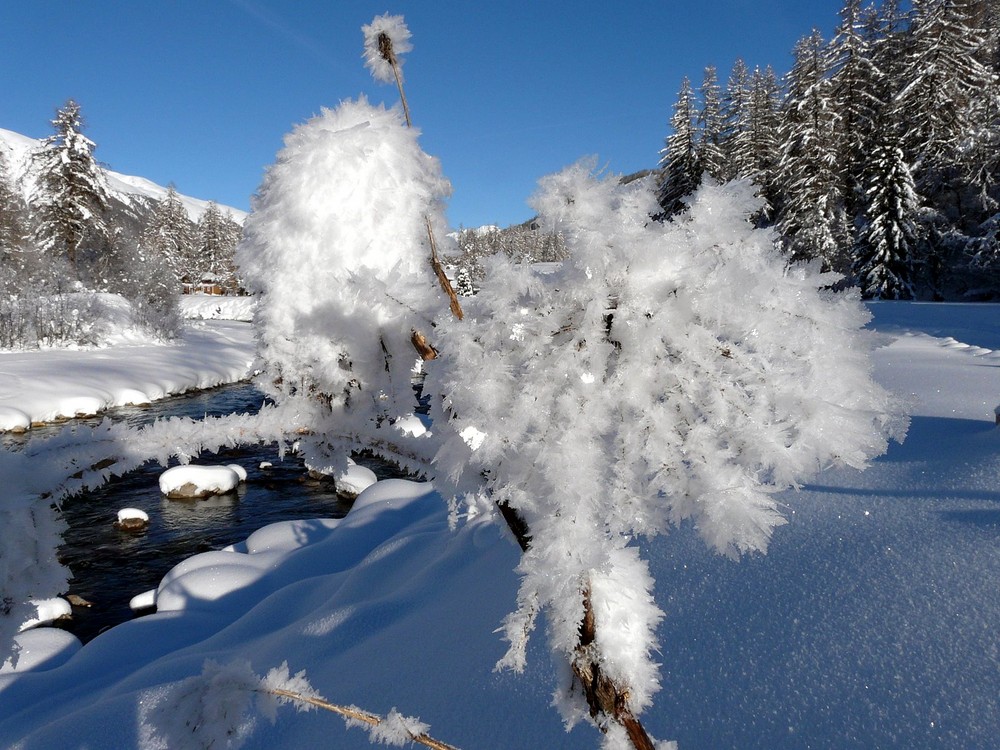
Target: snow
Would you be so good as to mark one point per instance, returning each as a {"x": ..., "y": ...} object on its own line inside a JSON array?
[
  {"x": 395, "y": 30},
  {"x": 41, "y": 649},
  {"x": 17, "y": 149},
  {"x": 870, "y": 622},
  {"x": 49, "y": 384},
  {"x": 214, "y": 307},
  {"x": 48, "y": 611},
  {"x": 199, "y": 481},
  {"x": 126, "y": 514}
]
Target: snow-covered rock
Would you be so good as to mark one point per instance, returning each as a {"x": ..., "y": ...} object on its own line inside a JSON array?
[
  {"x": 351, "y": 481},
  {"x": 198, "y": 481},
  {"x": 132, "y": 519},
  {"x": 48, "y": 611},
  {"x": 145, "y": 600}
]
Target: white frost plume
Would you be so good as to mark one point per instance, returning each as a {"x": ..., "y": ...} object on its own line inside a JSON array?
[
  {"x": 336, "y": 250},
  {"x": 669, "y": 372},
  {"x": 219, "y": 707},
  {"x": 386, "y": 38}
]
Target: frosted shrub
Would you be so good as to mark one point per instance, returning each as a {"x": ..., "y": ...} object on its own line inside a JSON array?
[
  {"x": 336, "y": 249},
  {"x": 671, "y": 372}
]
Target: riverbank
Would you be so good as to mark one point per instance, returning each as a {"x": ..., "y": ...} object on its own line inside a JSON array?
[{"x": 52, "y": 384}]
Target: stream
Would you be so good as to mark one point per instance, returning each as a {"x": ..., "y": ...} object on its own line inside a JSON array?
[{"x": 109, "y": 566}]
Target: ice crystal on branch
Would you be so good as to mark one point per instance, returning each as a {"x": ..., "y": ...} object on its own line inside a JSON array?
[
  {"x": 386, "y": 38},
  {"x": 336, "y": 249},
  {"x": 669, "y": 373}
]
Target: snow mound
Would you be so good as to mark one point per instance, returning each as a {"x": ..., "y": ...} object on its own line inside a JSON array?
[
  {"x": 41, "y": 649},
  {"x": 81, "y": 406},
  {"x": 48, "y": 611},
  {"x": 130, "y": 397},
  {"x": 198, "y": 481},
  {"x": 145, "y": 600},
  {"x": 13, "y": 420}
]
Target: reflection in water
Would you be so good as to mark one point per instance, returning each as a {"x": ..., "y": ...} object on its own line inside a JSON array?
[{"x": 110, "y": 566}]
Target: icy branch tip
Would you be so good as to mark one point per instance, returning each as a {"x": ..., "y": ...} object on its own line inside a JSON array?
[{"x": 386, "y": 38}]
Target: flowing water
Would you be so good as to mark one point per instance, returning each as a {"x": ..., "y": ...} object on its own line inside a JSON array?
[{"x": 109, "y": 566}]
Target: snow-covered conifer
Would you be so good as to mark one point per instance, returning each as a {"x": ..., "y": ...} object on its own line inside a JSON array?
[
  {"x": 811, "y": 216},
  {"x": 70, "y": 197},
  {"x": 856, "y": 93},
  {"x": 884, "y": 265},
  {"x": 679, "y": 163},
  {"x": 216, "y": 236},
  {"x": 710, "y": 125},
  {"x": 735, "y": 111},
  {"x": 336, "y": 249},
  {"x": 170, "y": 236},
  {"x": 13, "y": 231},
  {"x": 672, "y": 372},
  {"x": 943, "y": 73}
]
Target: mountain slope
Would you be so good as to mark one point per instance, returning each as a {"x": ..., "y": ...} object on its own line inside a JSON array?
[{"x": 135, "y": 192}]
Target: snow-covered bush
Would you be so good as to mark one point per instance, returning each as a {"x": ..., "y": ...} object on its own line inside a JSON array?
[
  {"x": 336, "y": 250},
  {"x": 669, "y": 373}
]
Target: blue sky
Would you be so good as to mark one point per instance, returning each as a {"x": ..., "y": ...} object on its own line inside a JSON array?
[{"x": 201, "y": 92}]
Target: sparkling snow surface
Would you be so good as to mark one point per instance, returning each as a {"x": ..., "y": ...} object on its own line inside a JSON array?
[{"x": 871, "y": 622}]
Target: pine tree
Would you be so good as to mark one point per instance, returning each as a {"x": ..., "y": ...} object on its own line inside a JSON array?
[
  {"x": 680, "y": 163},
  {"x": 709, "y": 124},
  {"x": 943, "y": 77},
  {"x": 213, "y": 245},
  {"x": 735, "y": 113},
  {"x": 13, "y": 230},
  {"x": 71, "y": 198},
  {"x": 884, "y": 265},
  {"x": 857, "y": 100},
  {"x": 811, "y": 217},
  {"x": 760, "y": 144},
  {"x": 169, "y": 235}
]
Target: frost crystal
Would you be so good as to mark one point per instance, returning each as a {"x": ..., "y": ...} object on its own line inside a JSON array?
[
  {"x": 385, "y": 37},
  {"x": 669, "y": 372}
]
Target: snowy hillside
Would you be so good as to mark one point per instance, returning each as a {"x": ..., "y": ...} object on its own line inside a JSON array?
[{"x": 17, "y": 149}]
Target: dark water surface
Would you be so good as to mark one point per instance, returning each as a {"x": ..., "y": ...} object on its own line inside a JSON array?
[{"x": 109, "y": 566}]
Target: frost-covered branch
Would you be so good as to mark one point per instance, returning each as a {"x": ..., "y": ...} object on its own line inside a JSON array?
[
  {"x": 217, "y": 708},
  {"x": 716, "y": 377},
  {"x": 385, "y": 37}
]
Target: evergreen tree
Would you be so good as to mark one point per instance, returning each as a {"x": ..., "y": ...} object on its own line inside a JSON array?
[
  {"x": 13, "y": 230},
  {"x": 709, "y": 124},
  {"x": 735, "y": 113},
  {"x": 760, "y": 144},
  {"x": 70, "y": 198},
  {"x": 884, "y": 265},
  {"x": 213, "y": 245},
  {"x": 169, "y": 235},
  {"x": 811, "y": 217},
  {"x": 943, "y": 78},
  {"x": 856, "y": 98},
  {"x": 681, "y": 167}
]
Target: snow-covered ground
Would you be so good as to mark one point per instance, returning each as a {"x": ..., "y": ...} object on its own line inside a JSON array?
[
  {"x": 871, "y": 622},
  {"x": 45, "y": 385}
]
